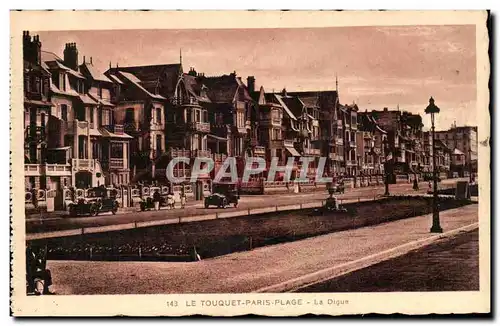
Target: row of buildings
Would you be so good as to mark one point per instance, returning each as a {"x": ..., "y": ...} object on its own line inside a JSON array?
[{"x": 84, "y": 127}]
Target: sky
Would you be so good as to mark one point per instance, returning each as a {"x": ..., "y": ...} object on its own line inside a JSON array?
[{"x": 376, "y": 67}]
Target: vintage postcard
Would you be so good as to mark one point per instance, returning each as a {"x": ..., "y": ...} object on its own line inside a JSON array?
[{"x": 275, "y": 163}]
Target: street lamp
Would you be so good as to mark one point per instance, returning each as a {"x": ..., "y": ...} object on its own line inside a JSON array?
[
  {"x": 432, "y": 109},
  {"x": 386, "y": 170}
]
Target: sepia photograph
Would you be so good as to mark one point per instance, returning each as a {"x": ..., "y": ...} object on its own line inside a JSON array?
[{"x": 249, "y": 166}]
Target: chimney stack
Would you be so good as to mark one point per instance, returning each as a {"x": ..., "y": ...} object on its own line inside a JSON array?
[
  {"x": 71, "y": 56},
  {"x": 251, "y": 84}
]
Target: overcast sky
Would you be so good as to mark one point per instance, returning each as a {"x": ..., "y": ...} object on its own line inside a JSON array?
[{"x": 376, "y": 66}]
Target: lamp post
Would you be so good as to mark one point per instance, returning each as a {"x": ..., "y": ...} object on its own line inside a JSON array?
[
  {"x": 432, "y": 109},
  {"x": 386, "y": 170}
]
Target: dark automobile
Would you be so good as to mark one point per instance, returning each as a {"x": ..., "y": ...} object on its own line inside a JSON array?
[
  {"x": 336, "y": 188},
  {"x": 97, "y": 200},
  {"x": 222, "y": 195},
  {"x": 147, "y": 203}
]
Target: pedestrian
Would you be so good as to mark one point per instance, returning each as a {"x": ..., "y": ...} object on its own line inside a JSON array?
[
  {"x": 183, "y": 199},
  {"x": 415, "y": 184},
  {"x": 430, "y": 186},
  {"x": 156, "y": 200}
]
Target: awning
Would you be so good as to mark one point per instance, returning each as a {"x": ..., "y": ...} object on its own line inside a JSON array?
[
  {"x": 292, "y": 151},
  {"x": 94, "y": 132},
  {"x": 106, "y": 133},
  {"x": 65, "y": 148}
]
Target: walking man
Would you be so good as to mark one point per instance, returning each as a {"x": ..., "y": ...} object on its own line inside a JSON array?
[{"x": 156, "y": 200}]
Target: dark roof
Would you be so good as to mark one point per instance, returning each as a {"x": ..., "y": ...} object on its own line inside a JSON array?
[
  {"x": 222, "y": 89},
  {"x": 323, "y": 99},
  {"x": 294, "y": 104},
  {"x": 194, "y": 86},
  {"x": 166, "y": 75}
]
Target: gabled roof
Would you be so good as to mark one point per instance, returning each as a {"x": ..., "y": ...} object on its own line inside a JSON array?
[
  {"x": 456, "y": 151},
  {"x": 196, "y": 88},
  {"x": 52, "y": 61},
  {"x": 167, "y": 75},
  {"x": 136, "y": 82},
  {"x": 114, "y": 78},
  {"x": 285, "y": 107},
  {"x": 94, "y": 72},
  {"x": 223, "y": 89}
]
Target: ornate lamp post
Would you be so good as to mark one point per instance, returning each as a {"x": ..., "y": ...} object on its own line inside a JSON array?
[
  {"x": 386, "y": 169},
  {"x": 432, "y": 109}
]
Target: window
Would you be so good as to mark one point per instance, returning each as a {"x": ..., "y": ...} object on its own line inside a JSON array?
[
  {"x": 100, "y": 91},
  {"x": 158, "y": 143},
  {"x": 105, "y": 118},
  {"x": 116, "y": 150},
  {"x": 92, "y": 116},
  {"x": 64, "y": 112},
  {"x": 197, "y": 116},
  {"x": 129, "y": 115},
  {"x": 205, "y": 116},
  {"x": 158, "y": 115}
]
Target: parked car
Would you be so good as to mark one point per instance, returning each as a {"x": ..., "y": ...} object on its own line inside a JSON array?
[
  {"x": 97, "y": 200},
  {"x": 336, "y": 188},
  {"x": 223, "y": 194}
]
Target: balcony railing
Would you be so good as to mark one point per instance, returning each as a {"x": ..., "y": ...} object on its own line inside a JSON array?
[
  {"x": 201, "y": 153},
  {"x": 312, "y": 151},
  {"x": 339, "y": 141},
  {"x": 31, "y": 170},
  {"x": 288, "y": 143},
  {"x": 34, "y": 133},
  {"x": 352, "y": 143},
  {"x": 260, "y": 150},
  {"x": 184, "y": 101},
  {"x": 200, "y": 126},
  {"x": 351, "y": 162},
  {"x": 58, "y": 170},
  {"x": 116, "y": 163},
  {"x": 83, "y": 164}
]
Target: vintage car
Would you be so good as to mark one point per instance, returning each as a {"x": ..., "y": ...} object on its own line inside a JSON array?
[
  {"x": 336, "y": 188},
  {"x": 97, "y": 200},
  {"x": 147, "y": 201},
  {"x": 331, "y": 205},
  {"x": 222, "y": 195}
]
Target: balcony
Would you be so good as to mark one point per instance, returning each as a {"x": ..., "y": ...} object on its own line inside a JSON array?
[
  {"x": 339, "y": 141},
  {"x": 261, "y": 150},
  {"x": 351, "y": 163},
  {"x": 340, "y": 157},
  {"x": 339, "y": 124},
  {"x": 201, "y": 153},
  {"x": 219, "y": 157},
  {"x": 288, "y": 143},
  {"x": 83, "y": 164},
  {"x": 177, "y": 152},
  {"x": 34, "y": 133},
  {"x": 200, "y": 126},
  {"x": 116, "y": 129},
  {"x": 117, "y": 164},
  {"x": 312, "y": 151},
  {"x": 32, "y": 170},
  {"x": 58, "y": 170},
  {"x": 367, "y": 135},
  {"x": 352, "y": 144},
  {"x": 184, "y": 101}
]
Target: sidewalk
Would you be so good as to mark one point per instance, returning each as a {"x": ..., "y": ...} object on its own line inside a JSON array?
[{"x": 274, "y": 268}]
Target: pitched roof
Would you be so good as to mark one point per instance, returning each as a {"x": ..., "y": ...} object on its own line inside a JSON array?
[
  {"x": 115, "y": 79},
  {"x": 223, "y": 89},
  {"x": 285, "y": 107},
  {"x": 94, "y": 72},
  {"x": 51, "y": 60},
  {"x": 167, "y": 75},
  {"x": 135, "y": 81},
  {"x": 194, "y": 86}
]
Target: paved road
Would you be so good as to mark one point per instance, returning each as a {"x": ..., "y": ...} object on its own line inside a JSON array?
[
  {"x": 196, "y": 208},
  {"x": 448, "y": 265},
  {"x": 249, "y": 271}
]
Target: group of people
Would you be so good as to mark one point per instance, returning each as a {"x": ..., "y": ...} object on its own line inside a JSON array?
[{"x": 157, "y": 198}]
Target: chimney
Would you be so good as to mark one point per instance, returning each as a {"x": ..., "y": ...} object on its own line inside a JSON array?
[
  {"x": 251, "y": 84},
  {"x": 283, "y": 92},
  {"x": 71, "y": 56},
  {"x": 385, "y": 109},
  {"x": 32, "y": 48}
]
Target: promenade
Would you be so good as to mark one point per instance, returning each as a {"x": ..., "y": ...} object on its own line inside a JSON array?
[
  {"x": 277, "y": 268},
  {"x": 56, "y": 222}
]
